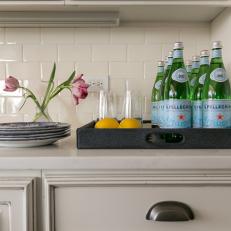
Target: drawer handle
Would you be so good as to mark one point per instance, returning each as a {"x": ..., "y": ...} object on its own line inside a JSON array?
[{"x": 170, "y": 211}]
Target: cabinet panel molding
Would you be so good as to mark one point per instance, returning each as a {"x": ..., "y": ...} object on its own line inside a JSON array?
[
  {"x": 53, "y": 180},
  {"x": 27, "y": 187}
]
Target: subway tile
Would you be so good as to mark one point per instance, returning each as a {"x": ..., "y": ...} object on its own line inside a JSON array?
[
  {"x": 150, "y": 69},
  {"x": 126, "y": 70},
  {"x": 6, "y": 118},
  {"x": 23, "y": 70},
  {"x": 144, "y": 53},
  {"x": 63, "y": 70},
  {"x": 2, "y": 71},
  {"x": 2, "y": 105},
  {"x": 33, "y": 53},
  {"x": 109, "y": 53},
  {"x": 166, "y": 47},
  {"x": 124, "y": 35},
  {"x": 190, "y": 50},
  {"x": 92, "y": 35},
  {"x": 74, "y": 53},
  {"x": 37, "y": 87},
  {"x": 10, "y": 53},
  {"x": 162, "y": 35},
  {"x": 22, "y": 35},
  {"x": 92, "y": 69},
  {"x": 58, "y": 35}
]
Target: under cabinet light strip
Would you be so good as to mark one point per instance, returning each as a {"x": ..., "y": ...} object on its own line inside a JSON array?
[{"x": 59, "y": 19}]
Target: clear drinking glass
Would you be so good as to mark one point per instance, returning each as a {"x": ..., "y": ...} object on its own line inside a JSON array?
[{"x": 107, "y": 105}]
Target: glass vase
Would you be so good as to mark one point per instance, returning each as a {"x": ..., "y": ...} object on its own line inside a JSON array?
[{"x": 42, "y": 115}]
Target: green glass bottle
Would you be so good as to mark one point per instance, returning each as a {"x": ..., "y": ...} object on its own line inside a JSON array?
[
  {"x": 216, "y": 93},
  {"x": 176, "y": 93},
  {"x": 188, "y": 66},
  {"x": 162, "y": 86},
  {"x": 156, "y": 95},
  {"x": 196, "y": 93},
  {"x": 195, "y": 70}
]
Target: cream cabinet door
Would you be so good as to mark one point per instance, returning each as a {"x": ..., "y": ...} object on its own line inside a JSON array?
[
  {"x": 17, "y": 204},
  {"x": 120, "y": 202}
]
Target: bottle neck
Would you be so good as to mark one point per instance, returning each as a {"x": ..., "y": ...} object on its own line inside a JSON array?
[
  {"x": 204, "y": 60},
  {"x": 216, "y": 53},
  {"x": 160, "y": 69},
  {"x": 189, "y": 68},
  {"x": 170, "y": 59},
  {"x": 195, "y": 64},
  {"x": 178, "y": 54}
]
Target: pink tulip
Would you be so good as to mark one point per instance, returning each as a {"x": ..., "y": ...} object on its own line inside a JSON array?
[
  {"x": 79, "y": 89},
  {"x": 11, "y": 84}
]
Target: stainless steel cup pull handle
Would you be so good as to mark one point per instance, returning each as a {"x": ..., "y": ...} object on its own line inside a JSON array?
[{"x": 170, "y": 211}]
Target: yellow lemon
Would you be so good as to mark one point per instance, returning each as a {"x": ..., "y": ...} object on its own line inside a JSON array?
[
  {"x": 107, "y": 123},
  {"x": 130, "y": 123}
]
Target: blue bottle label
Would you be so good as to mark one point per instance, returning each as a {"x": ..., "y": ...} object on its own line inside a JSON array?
[
  {"x": 158, "y": 84},
  {"x": 160, "y": 69},
  {"x": 218, "y": 75},
  {"x": 195, "y": 64},
  {"x": 202, "y": 79},
  {"x": 155, "y": 113},
  {"x": 197, "y": 108},
  {"x": 204, "y": 60},
  {"x": 177, "y": 54},
  {"x": 216, "y": 53},
  {"x": 216, "y": 113},
  {"x": 161, "y": 113},
  {"x": 177, "y": 113},
  {"x": 170, "y": 59},
  {"x": 180, "y": 75}
]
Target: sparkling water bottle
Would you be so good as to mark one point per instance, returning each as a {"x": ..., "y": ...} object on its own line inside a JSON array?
[
  {"x": 216, "y": 92},
  {"x": 161, "y": 92},
  {"x": 196, "y": 93},
  {"x": 177, "y": 93},
  {"x": 188, "y": 66},
  {"x": 156, "y": 95}
]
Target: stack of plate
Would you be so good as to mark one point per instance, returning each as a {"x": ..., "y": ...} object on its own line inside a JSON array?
[{"x": 32, "y": 134}]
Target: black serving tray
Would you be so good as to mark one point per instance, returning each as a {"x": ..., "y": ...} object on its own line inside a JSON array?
[{"x": 152, "y": 138}]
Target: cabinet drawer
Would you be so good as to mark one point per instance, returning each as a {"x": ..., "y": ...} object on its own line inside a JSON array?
[{"x": 104, "y": 206}]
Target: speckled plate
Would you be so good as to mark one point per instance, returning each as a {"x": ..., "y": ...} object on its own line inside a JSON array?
[
  {"x": 24, "y": 143},
  {"x": 33, "y": 126}
]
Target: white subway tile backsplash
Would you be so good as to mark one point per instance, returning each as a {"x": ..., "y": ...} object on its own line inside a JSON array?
[
  {"x": 162, "y": 35},
  {"x": 58, "y": 36},
  {"x": 125, "y": 35},
  {"x": 109, "y": 53},
  {"x": 4, "y": 118},
  {"x": 23, "y": 70},
  {"x": 93, "y": 36},
  {"x": 69, "y": 53},
  {"x": 23, "y": 35},
  {"x": 2, "y": 105},
  {"x": 150, "y": 69},
  {"x": 63, "y": 70},
  {"x": 121, "y": 53},
  {"x": 92, "y": 69},
  {"x": 39, "y": 53},
  {"x": 144, "y": 53},
  {"x": 126, "y": 70},
  {"x": 9, "y": 53}
]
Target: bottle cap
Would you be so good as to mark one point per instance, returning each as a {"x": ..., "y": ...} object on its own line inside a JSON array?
[
  {"x": 170, "y": 54},
  {"x": 178, "y": 45},
  {"x": 196, "y": 58},
  {"x": 217, "y": 44},
  {"x": 160, "y": 63},
  {"x": 188, "y": 62},
  {"x": 204, "y": 53}
]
